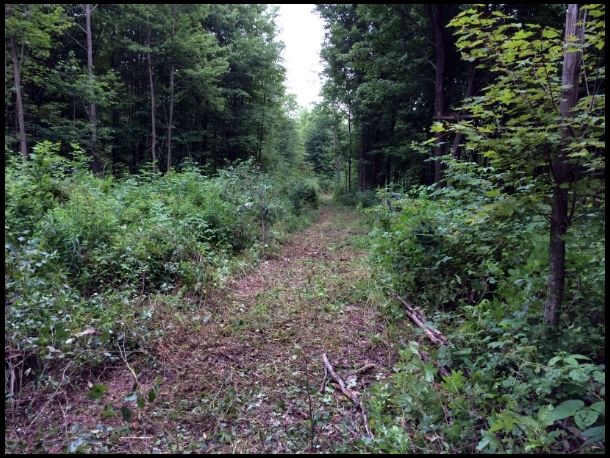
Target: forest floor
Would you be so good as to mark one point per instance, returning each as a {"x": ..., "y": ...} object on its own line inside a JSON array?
[{"x": 243, "y": 371}]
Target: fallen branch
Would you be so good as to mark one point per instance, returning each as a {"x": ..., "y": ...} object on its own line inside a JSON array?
[
  {"x": 433, "y": 334},
  {"x": 137, "y": 437},
  {"x": 348, "y": 393},
  {"x": 363, "y": 369}
]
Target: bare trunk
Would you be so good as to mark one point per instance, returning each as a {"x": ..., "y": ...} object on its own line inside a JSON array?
[
  {"x": 562, "y": 173},
  {"x": 259, "y": 154},
  {"x": 171, "y": 96},
  {"x": 349, "y": 157},
  {"x": 23, "y": 146},
  {"x": 152, "y": 107},
  {"x": 171, "y": 118},
  {"x": 470, "y": 91},
  {"x": 92, "y": 107},
  {"x": 439, "y": 18}
]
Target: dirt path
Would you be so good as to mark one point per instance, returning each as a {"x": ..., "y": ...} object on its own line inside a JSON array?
[{"x": 243, "y": 373}]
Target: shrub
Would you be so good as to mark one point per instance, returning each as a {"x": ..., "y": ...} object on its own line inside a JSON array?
[
  {"x": 80, "y": 249},
  {"x": 303, "y": 194},
  {"x": 474, "y": 256}
]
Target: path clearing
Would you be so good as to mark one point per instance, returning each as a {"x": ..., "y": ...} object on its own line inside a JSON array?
[{"x": 243, "y": 373}]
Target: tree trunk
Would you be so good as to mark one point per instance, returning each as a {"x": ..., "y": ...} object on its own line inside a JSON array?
[
  {"x": 440, "y": 18},
  {"x": 152, "y": 106},
  {"x": 349, "y": 157},
  {"x": 92, "y": 107},
  {"x": 23, "y": 146},
  {"x": 259, "y": 155},
  {"x": 562, "y": 172},
  {"x": 470, "y": 91},
  {"x": 171, "y": 95}
]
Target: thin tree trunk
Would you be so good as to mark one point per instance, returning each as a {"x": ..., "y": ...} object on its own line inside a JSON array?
[
  {"x": 23, "y": 146},
  {"x": 171, "y": 95},
  {"x": 152, "y": 106},
  {"x": 439, "y": 18},
  {"x": 562, "y": 172},
  {"x": 349, "y": 157},
  {"x": 259, "y": 154},
  {"x": 92, "y": 107},
  {"x": 470, "y": 91}
]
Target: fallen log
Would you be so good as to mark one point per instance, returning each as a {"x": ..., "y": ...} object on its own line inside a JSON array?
[{"x": 348, "y": 393}]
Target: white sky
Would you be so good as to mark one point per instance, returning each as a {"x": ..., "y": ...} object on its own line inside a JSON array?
[{"x": 302, "y": 32}]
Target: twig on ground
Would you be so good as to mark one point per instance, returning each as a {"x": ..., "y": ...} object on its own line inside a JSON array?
[
  {"x": 363, "y": 369},
  {"x": 348, "y": 393},
  {"x": 323, "y": 387},
  {"x": 433, "y": 334}
]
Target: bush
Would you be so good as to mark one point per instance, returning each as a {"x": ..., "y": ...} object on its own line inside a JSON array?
[
  {"x": 303, "y": 194},
  {"x": 354, "y": 198},
  {"x": 80, "y": 249},
  {"x": 475, "y": 258}
]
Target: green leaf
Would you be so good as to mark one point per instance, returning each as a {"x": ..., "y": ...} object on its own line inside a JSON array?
[
  {"x": 599, "y": 377},
  {"x": 483, "y": 443},
  {"x": 141, "y": 401},
  {"x": 585, "y": 418},
  {"x": 108, "y": 411},
  {"x": 152, "y": 395},
  {"x": 599, "y": 407},
  {"x": 126, "y": 413},
  {"x": 566, "y": 409},
  {"x": 596, "y": 434},
  {"x": 97, "y": 391},
  {"x": 550, "y": 33},
  {"x": 437, "y": 127}
]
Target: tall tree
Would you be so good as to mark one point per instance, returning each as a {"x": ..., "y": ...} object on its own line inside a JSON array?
[
  {"x": 29, "y": 31},
  {"x": 171, "y": 90},
  {"x": 440, "y": 16},
  {"x": 92, "y": 107},
  {"x": 561, "y": 168},
  {"x": 153, "y": 124},
  {"x": 542, "y": 135}
]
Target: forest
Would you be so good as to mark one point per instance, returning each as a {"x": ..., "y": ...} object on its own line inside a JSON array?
[{"x": 195, "y": 262}]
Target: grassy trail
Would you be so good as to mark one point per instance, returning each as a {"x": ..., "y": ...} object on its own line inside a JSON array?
[{"x": 243, "y": 372}]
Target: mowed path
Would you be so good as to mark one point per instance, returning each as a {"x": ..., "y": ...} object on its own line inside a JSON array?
[{"x": 243, "y": 372}]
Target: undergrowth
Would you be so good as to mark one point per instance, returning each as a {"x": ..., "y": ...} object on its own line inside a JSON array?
[
  {"x": 474, "y": 259},
  {"x": 82, "y": 251}
]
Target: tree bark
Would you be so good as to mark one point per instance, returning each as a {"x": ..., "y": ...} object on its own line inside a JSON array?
[
  {"x": 92, "y": 107},
  {"x": 440, "y": 18},
  {"x": 171, "y": 95},
  {"x": 470, "y": 91},
  {"x": 349, "y": 153},
  {"x": 23, "y": 146},
  {"x": 562, "y": 171},
  {"x": 152, "y": 105},
  {"x": 259, "y": 154}
]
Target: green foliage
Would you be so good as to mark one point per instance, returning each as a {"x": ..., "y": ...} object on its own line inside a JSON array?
[
  {"x": 354, "y": 198},
  {"x": 473, "y": 255},
  {"x": 512, "y": 400},
  {"x": 80, "y": 249},
  {"x": 303, "y": 194}
]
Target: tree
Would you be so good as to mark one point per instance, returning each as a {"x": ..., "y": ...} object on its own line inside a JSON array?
[
  {"x": 562, "y": 170},
  {"x": 92, "y": 107},
  {"x": 532, "y": 125},
  {"x": 29, "y": 30},
  {"x": 440, "y": 16}
]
